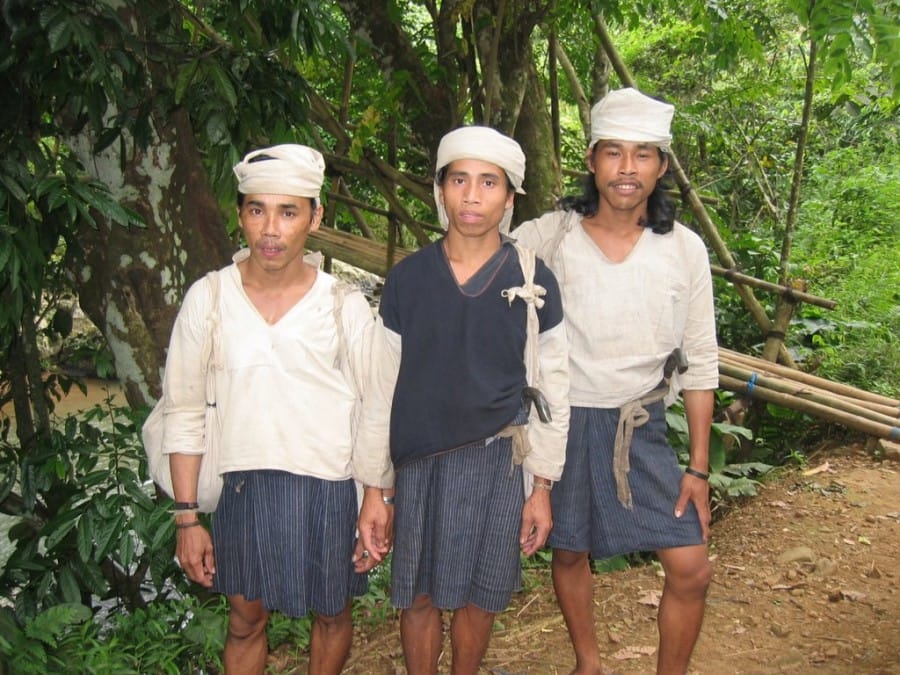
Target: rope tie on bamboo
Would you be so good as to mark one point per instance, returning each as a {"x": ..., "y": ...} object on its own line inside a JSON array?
[
  {"x": 730, "y": 272},
  {"x": 775, "y": 334},
  {"x": 631, "y": 416},
  {"x": 751, "y": 384}
]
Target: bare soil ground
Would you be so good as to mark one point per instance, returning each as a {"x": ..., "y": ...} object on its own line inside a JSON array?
[{"x": 806, "y": 581}]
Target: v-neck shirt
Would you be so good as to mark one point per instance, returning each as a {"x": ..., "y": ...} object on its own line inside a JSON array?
[
  {"x": 461, "y": 370},
  {"x": 624, "y": 318},
  {"x": 282, "y": 401}
]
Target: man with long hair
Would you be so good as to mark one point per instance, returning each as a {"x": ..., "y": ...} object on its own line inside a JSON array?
[{"x": 637, "y": 294}]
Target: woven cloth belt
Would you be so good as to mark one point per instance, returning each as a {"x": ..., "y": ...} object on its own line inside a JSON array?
[{"x": 631, "y": 415}]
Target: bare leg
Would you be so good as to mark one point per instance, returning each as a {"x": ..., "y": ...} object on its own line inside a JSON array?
[
  {"x": 470, "y": 633},
  {"x": 420, "y": 635},
  {"x": 329, "y": 644},
  {"x": 245, "y": 646},
  {"x": 574, "y": 587},
  {"x": 688, "y": 573}
]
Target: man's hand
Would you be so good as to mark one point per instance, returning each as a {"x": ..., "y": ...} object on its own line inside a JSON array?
[
  {"x": 695, "y": 490},
  {"x": 375, "y": 525},
  {"x": 194, "y": 550},
  {"x": 537, "y": 521}
]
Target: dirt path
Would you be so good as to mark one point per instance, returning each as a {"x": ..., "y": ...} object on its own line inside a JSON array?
[{"x": 806, "y": 581}]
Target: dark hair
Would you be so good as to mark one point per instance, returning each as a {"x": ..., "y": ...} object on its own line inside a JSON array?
[
  {"x": 262, "y": 158},
  {"x": 442, "y": 176},
  {"x": 660, "y": 206}
]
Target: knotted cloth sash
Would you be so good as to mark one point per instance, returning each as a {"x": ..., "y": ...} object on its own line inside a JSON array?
[{"x": 631, "y": 416}]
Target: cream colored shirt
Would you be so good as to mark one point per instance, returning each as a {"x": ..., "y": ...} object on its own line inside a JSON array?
[
  {"x": 281, "y": 398},
  {"x": 624, "y": 319}
]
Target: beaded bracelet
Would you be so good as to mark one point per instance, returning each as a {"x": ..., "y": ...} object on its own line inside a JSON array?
[
  {"x": 696, "y": 474},
  {"x": 186, "y": 506},
  {"x": 543, "y": 486},
  {"x": 184, "y": 526}
]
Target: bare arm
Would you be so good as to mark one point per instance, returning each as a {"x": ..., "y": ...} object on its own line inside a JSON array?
[{"x": 698, "y": 406}]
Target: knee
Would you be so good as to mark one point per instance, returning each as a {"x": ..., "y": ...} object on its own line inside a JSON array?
[
  {"x": 421, "y": 611},
  {"x": 246, "y": 625},
  {"x": 566, "y": 561},
  {"x": 690, "y": 580},
  {"x": 337, "y": 622}
]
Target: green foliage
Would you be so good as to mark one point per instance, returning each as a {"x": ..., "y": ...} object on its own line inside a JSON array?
[
  {"x": 91, "y": 528},
  {"x": 374, "y": 608},
  {"x": 176, "y": 636},
  {"x": 728, "y": 477},
  {"x": 847, "y": 246}
]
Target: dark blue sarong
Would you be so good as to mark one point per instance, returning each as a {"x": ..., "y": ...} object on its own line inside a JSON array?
[
  {"x": 287, "y": 540},
  {"x": 587, "y": 515}
]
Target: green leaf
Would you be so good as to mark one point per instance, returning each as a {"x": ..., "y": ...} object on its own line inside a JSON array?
[
  {"x": 68, "y": 585},
  {"x": 126, "y": 549},
  {"x": 106, "y": 535},
  {"x": 59, "y": 527},
  {"x": 59, "y": 35},
  {"x": 50, "y": 624},
  {"x": 222, "y": 83},
  {"x": 185, "y": 79}
]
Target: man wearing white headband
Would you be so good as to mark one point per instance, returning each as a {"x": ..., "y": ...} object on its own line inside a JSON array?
[
  {"x": 453, "y": 318},
  {"x": 639, "y": 307},
  {"x": 288, "y": 342}
]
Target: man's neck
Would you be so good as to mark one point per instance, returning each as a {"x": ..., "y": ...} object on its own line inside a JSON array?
[
  {"x": 468, "y": 254},
  {"x": 614, "y": 232}
]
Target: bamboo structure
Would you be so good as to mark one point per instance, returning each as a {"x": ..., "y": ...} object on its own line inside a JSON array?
[{"x": 854, "y": 408}]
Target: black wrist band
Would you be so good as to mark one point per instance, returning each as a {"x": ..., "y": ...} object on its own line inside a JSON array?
[
  {"x": 696, "y": 474},
  {"x": 186, "y": 506},
  {"x": 184, "y": 526}
]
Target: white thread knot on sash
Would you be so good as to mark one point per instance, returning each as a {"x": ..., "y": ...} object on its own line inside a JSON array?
[{"x": 533, "y": 294}]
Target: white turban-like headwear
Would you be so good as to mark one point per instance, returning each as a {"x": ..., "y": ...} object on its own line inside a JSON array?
[
  {"x": 629, "y": 115},
  {"x": 487, "y": 145},
  {"x": 294, "y": 170}
]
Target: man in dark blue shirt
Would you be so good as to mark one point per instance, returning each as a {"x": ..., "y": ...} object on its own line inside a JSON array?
[{"x": 454, "y": 318}]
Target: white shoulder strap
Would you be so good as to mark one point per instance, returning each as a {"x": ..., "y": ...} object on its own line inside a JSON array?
[
  {"x": 211, "y": 353},
  {"x": 533, "y": 295},
  {"x": 339, "y": 292}
]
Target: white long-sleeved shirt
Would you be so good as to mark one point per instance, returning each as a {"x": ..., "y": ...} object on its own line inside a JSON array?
[
  {"x": 282, "y": 401},
  {"x": 624, "y": 318}
]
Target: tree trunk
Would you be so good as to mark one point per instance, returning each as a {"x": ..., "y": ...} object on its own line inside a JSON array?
[{"x": 133, "y": 299}]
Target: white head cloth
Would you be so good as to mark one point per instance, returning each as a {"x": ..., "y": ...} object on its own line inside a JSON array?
[
  {"x": 629, "y": 115},
  {"x": 294, "y": 170},
  {"x": 487, "y": 145}
]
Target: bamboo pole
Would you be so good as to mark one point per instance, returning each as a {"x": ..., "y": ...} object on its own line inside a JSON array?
[
  {"x": 800, "y": 376},
  {"x": 862, "y": 424},
  {"x": 354, "y": 250},
  {"x": 801, "y": 296},
  {"x": 806, "y": 394},
  {"x": 890, "y": 411}
]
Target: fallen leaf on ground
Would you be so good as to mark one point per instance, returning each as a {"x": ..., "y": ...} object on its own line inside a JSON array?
[
  {"x": 825, "y": 466},
  {"x": 633, "y": 653}
]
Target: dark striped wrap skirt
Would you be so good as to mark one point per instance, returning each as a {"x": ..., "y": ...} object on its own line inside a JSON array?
[
  {"x": 456, "y": 528},
  {"x": 287, "y": 540},
  {"x": 587, "y": 515}
]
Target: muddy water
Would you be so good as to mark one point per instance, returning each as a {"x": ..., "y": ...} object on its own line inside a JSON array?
[{"x": 98, "y": 391}]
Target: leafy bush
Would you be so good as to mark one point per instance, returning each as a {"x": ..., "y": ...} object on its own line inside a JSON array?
[
  {"x": 174, "y": 636},
  {"x": 92, "y": 530},
  {"x": 727, "y": 478}
]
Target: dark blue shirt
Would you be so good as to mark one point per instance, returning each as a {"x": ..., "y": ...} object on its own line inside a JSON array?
[{"x": 461, "y": 370}]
